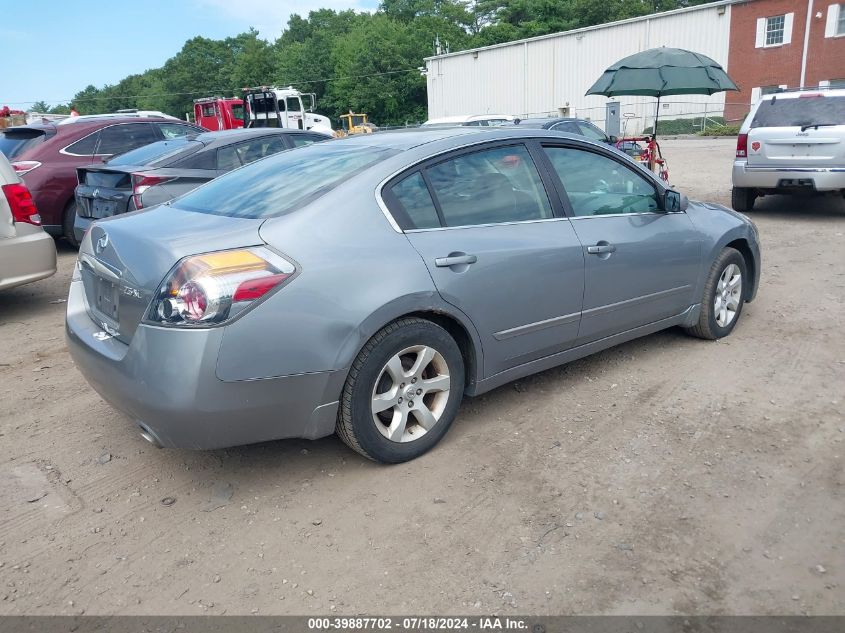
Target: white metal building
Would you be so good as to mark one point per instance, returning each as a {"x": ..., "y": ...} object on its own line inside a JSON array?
[{"x": 548, "y": 75}]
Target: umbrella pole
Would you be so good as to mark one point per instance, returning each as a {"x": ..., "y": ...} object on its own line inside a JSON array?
[{"x": 652, "y": 155}]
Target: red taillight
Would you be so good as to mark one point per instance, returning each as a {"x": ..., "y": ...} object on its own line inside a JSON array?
[
  {"x": 22, "y": 205},
  {"x": 257, "y": 288},
  {"x": 25, "y": 166},
  {"x": 742, "y": 146},
  {"x": 140, "y": 183}
]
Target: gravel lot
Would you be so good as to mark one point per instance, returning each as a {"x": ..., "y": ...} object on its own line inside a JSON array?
[{"x": 668, "y": 475}]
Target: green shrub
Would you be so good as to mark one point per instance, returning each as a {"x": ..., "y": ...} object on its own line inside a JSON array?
[
  {"x": 691, "y": 125},
  {"x": 721, "y": 130}
]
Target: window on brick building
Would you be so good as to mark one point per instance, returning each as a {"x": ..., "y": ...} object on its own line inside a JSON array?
[
  {"x": 840, "y": 23},
  {"x": 774, "y": 30}
]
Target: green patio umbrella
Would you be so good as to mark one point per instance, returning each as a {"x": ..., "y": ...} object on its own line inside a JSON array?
[{"x": 659, "y": 72}]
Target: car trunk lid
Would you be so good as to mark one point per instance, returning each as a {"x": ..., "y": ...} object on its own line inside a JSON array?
[
  {"x": 124, "y": 261},
  {"x": 102, "y": 192},
  {"x": 798, "y": 132}
]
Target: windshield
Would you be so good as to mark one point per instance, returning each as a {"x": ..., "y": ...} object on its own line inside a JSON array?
[
  {"x": 154, "y": 152},
  {"x": 804, "y": 110},
  {"x": 284, "y": 182},
  {"x": 14, "y": 142}
]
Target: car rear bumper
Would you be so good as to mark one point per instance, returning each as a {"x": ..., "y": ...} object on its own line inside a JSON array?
[
  {"x": 29, "y": 256},
  {"x": 815, "y": 178},
  {"x": 165, "y": 381}
]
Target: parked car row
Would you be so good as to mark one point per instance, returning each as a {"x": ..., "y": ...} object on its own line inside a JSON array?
[
  {"x": 156, "y": 173},
  {"x": 47, "y": 156}
]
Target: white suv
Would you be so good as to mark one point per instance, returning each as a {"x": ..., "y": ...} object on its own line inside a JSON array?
[{"x": 791, "y": 142}]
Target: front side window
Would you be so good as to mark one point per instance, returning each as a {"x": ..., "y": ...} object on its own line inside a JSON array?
[
  {"x": 238, "y": 111},
  {"x": 774, "y": 30},
  {"x": 488, "y": 187},
  {"x": 598, "y": 185},
  {"x": 117, "y": 139},
  {"x": 415, "y": 201},
  {"x": 293, "y": 104}
]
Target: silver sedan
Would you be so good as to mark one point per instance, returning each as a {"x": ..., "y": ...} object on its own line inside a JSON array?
[{"x": 364, "y": 286}]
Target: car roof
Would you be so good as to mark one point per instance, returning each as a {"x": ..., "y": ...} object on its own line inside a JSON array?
[
  {"x": 795, "y": 94},
  {"x": 226, "y": 136},
  {"x": 414, "y": 137},
  {"x": 548, "y": 121},
  {"x": 91, "y": 125}
]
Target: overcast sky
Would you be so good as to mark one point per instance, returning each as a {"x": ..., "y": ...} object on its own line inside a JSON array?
[{"x": 52, "y": 50}]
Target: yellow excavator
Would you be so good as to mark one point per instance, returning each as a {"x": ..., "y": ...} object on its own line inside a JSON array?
[{"x": 353, "y": 123}]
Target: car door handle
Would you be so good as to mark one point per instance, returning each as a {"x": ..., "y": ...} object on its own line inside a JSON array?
[
  {"x": 598, "y": 249},
  {"x": 454, "y": 260}
]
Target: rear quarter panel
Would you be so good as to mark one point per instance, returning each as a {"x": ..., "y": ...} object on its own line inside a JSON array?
[{"x": 355, "y": 275}]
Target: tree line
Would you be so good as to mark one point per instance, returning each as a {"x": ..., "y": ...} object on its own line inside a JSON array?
[{"x": 365, "y": 62}]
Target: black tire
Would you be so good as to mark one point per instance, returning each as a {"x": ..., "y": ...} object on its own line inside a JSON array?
[
  {"x": 742, "y": 199},
  {"x": 707, "y": 326},
  {"x": 355, "y": 423},
  {"x": 68, "y": 218}
]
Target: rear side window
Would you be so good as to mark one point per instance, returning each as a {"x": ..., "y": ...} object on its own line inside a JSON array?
[
  {"x": 256, "y": 148},
  {"x": 14, "y": 142},
  {"x": 795, "y": 112},
  {"x": 283, "y": 182},
  {"x": 227, "y": 158},
  {"x": 412, "y": 197},
  {"x": 117, "y": 139},
  {"x": 489, "y": 187},
  {"x": 154, "y": 152},
  {"x": 85, "y": 146},
  {"x": 591, "y": 132},
  {"x": 202, "y": 159}
]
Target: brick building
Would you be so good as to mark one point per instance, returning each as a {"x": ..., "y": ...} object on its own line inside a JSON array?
[
  {"x": 762, "y": 44},
  {"x": 784, "y": 44}
]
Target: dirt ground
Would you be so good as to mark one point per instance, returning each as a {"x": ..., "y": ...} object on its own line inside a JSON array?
[{"x": 665, "y": 476}]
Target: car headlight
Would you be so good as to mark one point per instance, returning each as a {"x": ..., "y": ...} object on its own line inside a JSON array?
[{"x": 208, "y": 289}]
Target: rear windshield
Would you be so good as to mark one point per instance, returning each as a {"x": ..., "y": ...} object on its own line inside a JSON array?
[
  {"x": 809, "y": 110},
  {"x": 157, "y": 152},
  {"x": 15, "y": 142},
  {"x": 283, "y": 182}
]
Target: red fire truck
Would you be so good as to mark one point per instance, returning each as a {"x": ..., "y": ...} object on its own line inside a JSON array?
[{"x": 219, "y": 113}]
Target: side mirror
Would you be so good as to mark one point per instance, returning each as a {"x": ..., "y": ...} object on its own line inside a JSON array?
[
  {"x": 674, "y": 201},
  {"x": 613, "y": 139}
]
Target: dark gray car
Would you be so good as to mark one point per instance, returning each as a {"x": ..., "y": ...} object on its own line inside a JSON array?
[
  {"x": 161, "y": 171},
  {"x": 365, "y": 286}
]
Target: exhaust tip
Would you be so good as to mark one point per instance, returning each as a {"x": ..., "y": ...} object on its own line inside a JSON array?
[{"x": 148, "y": 435}]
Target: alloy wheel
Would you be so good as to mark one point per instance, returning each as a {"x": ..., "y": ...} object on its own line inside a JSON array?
[
  {"x": 411, "y": 393},
  {"x": 728, "y": 295}
]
